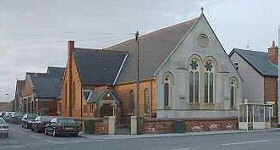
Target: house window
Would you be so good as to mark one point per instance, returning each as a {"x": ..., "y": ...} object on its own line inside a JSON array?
[
  {"x": 233, "y": 86},
  {"x": 85, "y": 108},
  {"x": 91, "y": 108},
  {"x": 194, "y": 82},
  {"x": 132, "y": 101},
  {"x": 147, "y": 101},
  {"x": 167, "y": 91},
  {"x": 236, "y": 65},
  {"x": 209, "y": 82},
  {"x": 74, "y": 102}
]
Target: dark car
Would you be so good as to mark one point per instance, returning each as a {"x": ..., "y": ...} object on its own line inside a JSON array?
[
  {"x": 40, "y": 122},
  {"x": 62, "y": 126},
  {"x": 16, "y": 118},
  {"x": 27, "y": 119}
]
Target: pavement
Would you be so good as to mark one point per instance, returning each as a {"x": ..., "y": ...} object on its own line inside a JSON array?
[{"x": 202, "y": 133}]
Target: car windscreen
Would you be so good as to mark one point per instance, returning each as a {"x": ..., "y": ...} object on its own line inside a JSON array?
[
  {"x": 31, "y": 116},
  {"x": 2, "y": 121},
  {"x": 46, "y": 118},
  {"x": 66, "y": 120}
]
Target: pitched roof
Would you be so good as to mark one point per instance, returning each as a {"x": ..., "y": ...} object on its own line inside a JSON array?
[
  {"x": 56, "y": 72},
  {"x": 98, "y": 67},
  {"x": 258, "y": 60},
  {"x": 154, "y": 48},
  {"x": 46, "y": 86},
  {"x": 99, "y": 92}
]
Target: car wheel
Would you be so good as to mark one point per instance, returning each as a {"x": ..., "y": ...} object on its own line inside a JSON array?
[
  {"x": 75, "y": 134},
  {"x": 7, "y": 135},
  {"x": 54, "y": 134},
  {"x": 32, "y": 129}
]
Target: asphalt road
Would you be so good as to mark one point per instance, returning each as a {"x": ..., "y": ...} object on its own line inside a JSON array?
[{"x": 24, "y": 139}]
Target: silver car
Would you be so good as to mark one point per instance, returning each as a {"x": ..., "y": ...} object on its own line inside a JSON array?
[{"x": 4, "y": 128}]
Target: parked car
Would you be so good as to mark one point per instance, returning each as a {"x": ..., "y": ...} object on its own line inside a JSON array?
[
  {"x": 4, "y": 128},
  {"x": 16, "y": 118},
  {"x": 62, "y": 126},
  {"x": 27, "y": 119},
  {"x": 2, "y": 113},
  {"x": 40, "y": 122}
]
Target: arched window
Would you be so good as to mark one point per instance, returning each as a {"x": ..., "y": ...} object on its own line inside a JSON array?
[
  {"x": 167, "y": 91},
  {"x": 209, "y": 82},
  {"x": 147, "y": 101},
  {"x": 132, "y": 101},
  {"x": 194, "y": 81},
  {"x": 233, "y": 86}
]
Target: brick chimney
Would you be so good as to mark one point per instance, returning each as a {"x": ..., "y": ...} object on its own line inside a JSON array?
[{"x": 273, "y": 53}]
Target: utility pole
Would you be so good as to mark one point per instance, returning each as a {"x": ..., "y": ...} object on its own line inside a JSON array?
[{"x": 138, "y": 75}]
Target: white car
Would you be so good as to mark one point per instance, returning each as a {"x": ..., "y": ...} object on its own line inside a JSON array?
[{"x": 4, "y": 128}]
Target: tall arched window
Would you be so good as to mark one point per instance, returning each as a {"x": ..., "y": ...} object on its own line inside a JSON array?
[
  {"x": 147, "y": 101},
  {"x": 209, "y": 82},
  {"x": 194, "y": 81},
  {"x": 233, "y": 86},
  {"x": 167, "y": 91},
  {"x": 132, "y": 101}
]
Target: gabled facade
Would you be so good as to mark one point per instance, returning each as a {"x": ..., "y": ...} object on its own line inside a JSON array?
[
  {"x": 259, "y": 71},
  {"x": 184, "y": 73},
  {"x": 18, "y": 95}
]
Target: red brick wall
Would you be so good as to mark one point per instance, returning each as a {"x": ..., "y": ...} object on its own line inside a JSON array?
[
  {"x": 270, "y": 93},
  {"x": 156, "y": 125},
  {"x": 205, "y": 124}
]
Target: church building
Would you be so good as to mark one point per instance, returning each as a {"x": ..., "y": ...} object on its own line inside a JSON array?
[{"x": 183, "y": 72}]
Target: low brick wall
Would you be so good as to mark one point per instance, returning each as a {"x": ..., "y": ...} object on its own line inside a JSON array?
[
  {"x": 211, "y": 124},
  {"x": 97, "y": 126},
  {"x": 171, "y": 125}
]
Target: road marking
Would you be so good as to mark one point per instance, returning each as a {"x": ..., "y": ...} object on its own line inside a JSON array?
[
  {"x": 181, "y": 148},
  {"x": 245, "y": 142}
]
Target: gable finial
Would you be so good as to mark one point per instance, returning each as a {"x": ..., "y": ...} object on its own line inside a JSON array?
[{"x": 201, "y": 10}]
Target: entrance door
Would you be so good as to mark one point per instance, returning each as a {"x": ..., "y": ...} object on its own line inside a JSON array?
[{"x": 106, "y": 110}]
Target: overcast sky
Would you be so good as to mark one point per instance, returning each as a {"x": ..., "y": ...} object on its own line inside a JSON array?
[{"x": 34, "y": 33}]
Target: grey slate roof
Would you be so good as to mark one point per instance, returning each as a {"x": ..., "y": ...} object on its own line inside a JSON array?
[
  {"x": 98, "y": 67},
  {"x": 46, "y": 86},
  {"x": 154, "y": 49},
  {"x": 98, "y": 92},
  {"x": 259, "y": 61},
  {"x": 57, "y": 72}
]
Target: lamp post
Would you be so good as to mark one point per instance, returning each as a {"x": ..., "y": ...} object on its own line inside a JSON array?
[{"x": 138, "y": 74}]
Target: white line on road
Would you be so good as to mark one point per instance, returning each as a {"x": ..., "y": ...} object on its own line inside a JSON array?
[
  {"x": 181, "y": 148},
  {"x": 245, "y": 142}
]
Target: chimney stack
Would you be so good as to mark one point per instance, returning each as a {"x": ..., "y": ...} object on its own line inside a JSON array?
[{"x": 273, "y": 53}]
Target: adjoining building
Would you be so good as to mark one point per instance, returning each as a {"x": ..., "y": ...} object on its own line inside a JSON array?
[
  {"x": 41, "y": 91},
  {"x": 259, "y": 71}
]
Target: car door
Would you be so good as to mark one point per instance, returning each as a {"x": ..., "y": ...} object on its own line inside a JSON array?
[{"x": 52, "y": 125}]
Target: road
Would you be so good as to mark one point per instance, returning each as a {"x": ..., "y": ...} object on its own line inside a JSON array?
[{"x": 24, "y": 139}]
